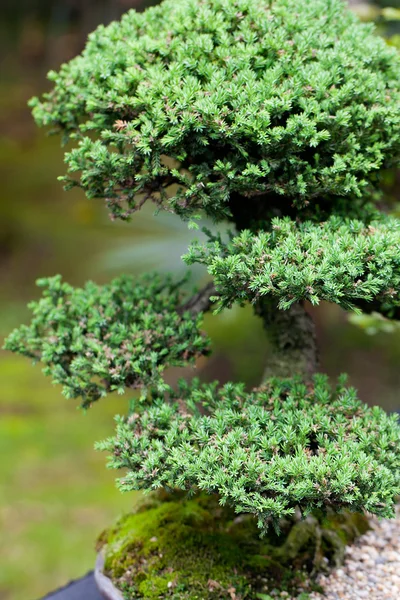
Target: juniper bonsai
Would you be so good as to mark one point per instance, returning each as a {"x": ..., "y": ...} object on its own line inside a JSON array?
[{"x": 275, "y": 117}]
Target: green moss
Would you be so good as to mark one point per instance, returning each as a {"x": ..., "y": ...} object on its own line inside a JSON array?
[
  {"x": 173, "y": 545},
  {"x": 194, "y": 549}
]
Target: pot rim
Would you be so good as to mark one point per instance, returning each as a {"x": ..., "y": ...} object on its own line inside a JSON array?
[{"x": 104, "y": 584}]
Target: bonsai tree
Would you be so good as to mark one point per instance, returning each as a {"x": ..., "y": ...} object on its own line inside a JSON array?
[{"x": 276, "y": 118}]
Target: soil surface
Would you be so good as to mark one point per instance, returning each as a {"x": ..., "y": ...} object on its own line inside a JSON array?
[{"x": 371, "y": 570}]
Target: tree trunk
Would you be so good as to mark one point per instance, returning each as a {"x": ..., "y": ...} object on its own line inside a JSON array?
[{"x": 293, "y": 340}]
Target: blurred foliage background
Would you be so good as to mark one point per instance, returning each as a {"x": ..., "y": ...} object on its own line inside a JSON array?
[{"x": 55, "y": 495}]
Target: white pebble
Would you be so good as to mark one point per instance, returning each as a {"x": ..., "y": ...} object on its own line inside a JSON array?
[{"x": 371, "y": 569}]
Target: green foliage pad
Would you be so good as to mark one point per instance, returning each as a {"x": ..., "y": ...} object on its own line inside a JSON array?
[
  {"x": 206, "y": 105},
  {"x": 99, "y": 339},
  {"x": 266, "y": 452},
  {"x": 341, "y": 261}
]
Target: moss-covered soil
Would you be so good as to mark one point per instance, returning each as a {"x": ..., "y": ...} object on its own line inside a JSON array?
[{"x": 194, "y": 549}]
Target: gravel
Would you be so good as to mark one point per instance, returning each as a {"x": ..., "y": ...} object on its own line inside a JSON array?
[{"x": 371, "y": 569}]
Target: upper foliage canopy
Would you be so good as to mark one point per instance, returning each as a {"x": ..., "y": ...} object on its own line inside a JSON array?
[
  {"x": 99, "y": 339},
  {"x": 204, "y": 104},
  {"x": 265, "y": 452}
]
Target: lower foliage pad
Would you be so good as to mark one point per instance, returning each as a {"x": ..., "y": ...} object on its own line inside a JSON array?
[{"x": 282, "y": 446}]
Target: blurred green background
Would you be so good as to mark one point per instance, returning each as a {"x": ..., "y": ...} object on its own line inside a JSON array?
[{"x": 55, "y": 494}]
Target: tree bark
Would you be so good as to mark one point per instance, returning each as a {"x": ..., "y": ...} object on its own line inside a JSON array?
[
  {"x": 200, "y": 302},
  {"x": 293, "y": 341}
]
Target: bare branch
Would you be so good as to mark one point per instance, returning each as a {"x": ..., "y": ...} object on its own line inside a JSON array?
[{"x": 200, "y": 302}]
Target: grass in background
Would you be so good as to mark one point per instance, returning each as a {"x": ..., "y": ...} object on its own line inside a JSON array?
[{"x": 56, "y": 496}]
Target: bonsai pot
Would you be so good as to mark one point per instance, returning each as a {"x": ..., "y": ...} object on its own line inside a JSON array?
[{"x": 104, "y": 584}]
